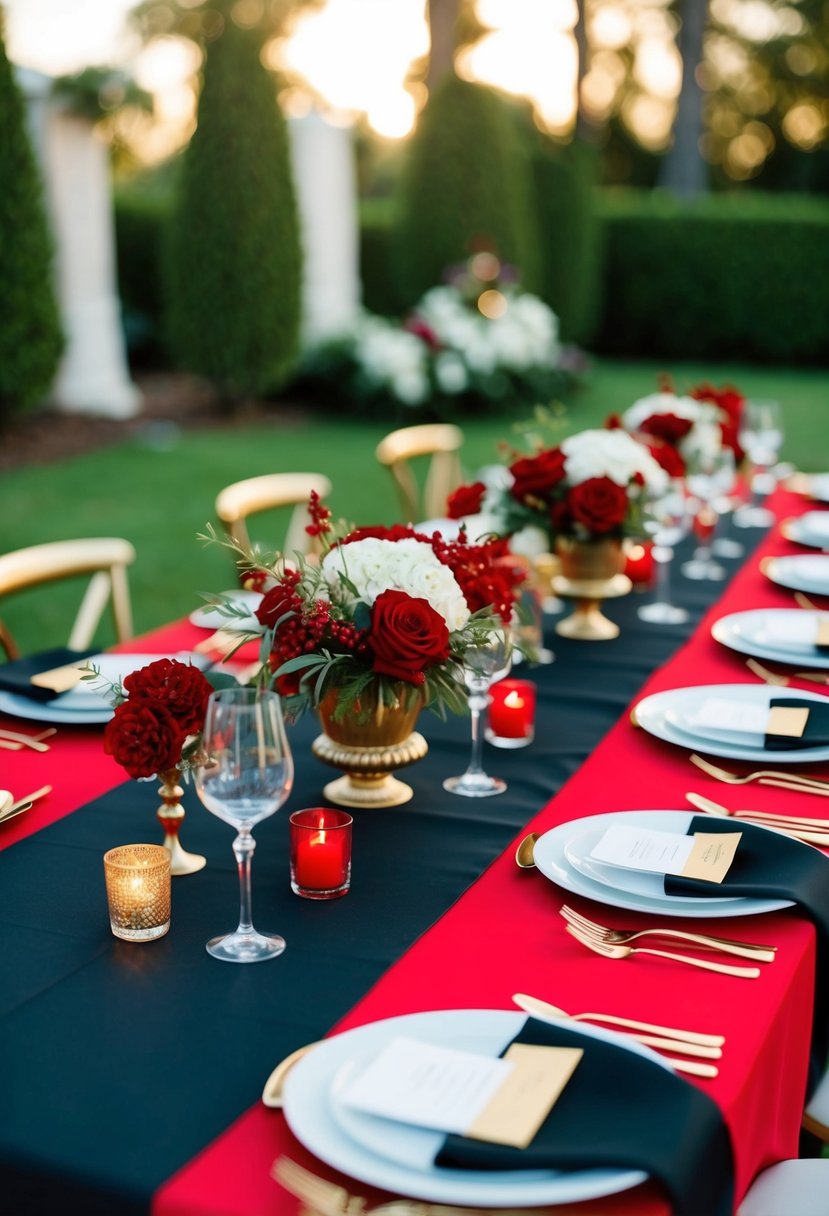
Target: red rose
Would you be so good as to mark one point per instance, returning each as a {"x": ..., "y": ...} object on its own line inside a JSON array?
[
  {"x": 667, "y": 457},
  {"x": 466, "y": 500},
  {"x": 406, "y": 636},
  {"x": 731, "y": 403},
  {"x": 144, "y": 737},
  {"x": 599, "y": 504},
  {"x": 669, "y": 427},
  {"x": 537, "y": 476},
  {"x": 179, "y": 688},
  {"x": 379, "y": 532}
]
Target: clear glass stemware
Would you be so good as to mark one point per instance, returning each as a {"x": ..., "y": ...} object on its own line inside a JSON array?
[
  {"x": 666, "y": 518},
  {"x": 245, "y": 775},
  {"x": 484, "y": 663},
  {"x": 761, "y": 436},
  {"x": 710, "y": 480}
]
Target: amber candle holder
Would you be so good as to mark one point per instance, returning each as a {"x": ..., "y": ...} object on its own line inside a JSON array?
[{"x": 138, "y": 891}]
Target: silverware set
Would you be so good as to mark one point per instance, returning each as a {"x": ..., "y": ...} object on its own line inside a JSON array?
[
  {"x": 18, "y": 806},
  {"x": 795, "y": 782},
  {"x": 811, "y": 831},
  {"x": 778, "y": 680},
  {"x": 13, "y": 741},
  {"x": 607, "y": 949}
]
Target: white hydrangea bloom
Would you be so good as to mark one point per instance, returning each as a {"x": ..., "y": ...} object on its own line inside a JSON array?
[
  {"x": 409, "y": 565},
  {"x": 613, "y": 454},
  {"x": 704, "y": 439}
]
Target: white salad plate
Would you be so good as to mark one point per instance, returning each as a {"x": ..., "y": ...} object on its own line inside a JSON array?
[
  {"x": 399, "y": 1157},
  {"x": 811, "y": 529},
  {"x": 762, "y": 632},
  {"x": 807, "y": 572},
  {"x": 667, "y": 715},
  {"x": 550, "y": 855}
]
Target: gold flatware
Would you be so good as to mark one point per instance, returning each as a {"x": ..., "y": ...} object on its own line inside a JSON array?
[
  {"x": 272, "y": 1092},
  {"x": 817, "y": 677},
  {"x": 764, "y": 776},
  {"x": 622, "y": 952},
  {"x": 534, "y": 1004},
  {"x": 223, "y": 640},
  {"x": 33, "y": 741},
  {"x": 329, "y": 1199},
  {"x": 765, "y": 673},
  {"x": 28, "y": 799},
  {"x": 18, "y": 809},
  {"x": 524, "y": 853},
  {"x": 700, "y": 1050},
  {"x": 799, "y": 829},
  {"x": 804, "y": 602},
  {"x": 623, "y": 937}
]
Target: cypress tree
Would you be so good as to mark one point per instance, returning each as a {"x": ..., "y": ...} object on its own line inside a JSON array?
[
  {"x": 234, "y": 259},
  {"x": 466, "y": 182},
  {"x": 31, "y": 338}
]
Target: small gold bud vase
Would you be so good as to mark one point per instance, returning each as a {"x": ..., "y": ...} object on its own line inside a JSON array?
[
  {"x": 170, "y": 816},
  {"x": 590, "y": 573}
]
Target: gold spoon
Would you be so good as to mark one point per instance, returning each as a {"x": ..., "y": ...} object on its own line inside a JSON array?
[
  {"x": 524, "y": 853},
  {"x": 272, "y": 1093}
]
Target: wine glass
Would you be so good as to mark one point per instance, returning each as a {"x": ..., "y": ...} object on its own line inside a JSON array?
[
  {"x": 667, "y": 519},
  {"x": 761, "y": 436},
  {"x": 484, "y": 662},
  {"x": 245, "y": 774},
  {"x": 710, "y": 479}
]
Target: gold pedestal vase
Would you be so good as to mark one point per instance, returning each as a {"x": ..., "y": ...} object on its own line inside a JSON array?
[
  {"x": 171, "y": 815},
  {"x": 368, "y": 744},
  {"x": 590, "y": 574}
]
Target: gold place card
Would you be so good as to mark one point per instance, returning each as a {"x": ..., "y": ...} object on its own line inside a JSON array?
[
  {"x": 705, "y": 855},
  {"x": 787, "y": 722},
  {"x": 711, "y": 855},
  {"x": 528, "y": 1094}
]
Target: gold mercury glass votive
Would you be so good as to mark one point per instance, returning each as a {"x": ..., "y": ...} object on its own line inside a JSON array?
[{"x": 138, "y": 891}]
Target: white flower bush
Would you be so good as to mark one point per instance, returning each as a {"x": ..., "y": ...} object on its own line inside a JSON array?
[{"x": 372, "y": 566}]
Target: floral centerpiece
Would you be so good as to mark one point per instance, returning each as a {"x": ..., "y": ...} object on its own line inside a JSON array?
[
  {"x": 588, "y": 487},
  {"x": 730, "y": 403},
  {"x": 474, "y": 339},
  {"x": 374, "y": 632},
  {"x": 681, "y": 432}
]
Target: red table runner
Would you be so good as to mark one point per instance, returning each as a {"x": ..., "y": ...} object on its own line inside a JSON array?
[{"x": 504, "y": 935}]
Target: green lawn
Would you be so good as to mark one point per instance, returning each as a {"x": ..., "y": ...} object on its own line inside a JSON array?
[{"x": 160, "y": 495}]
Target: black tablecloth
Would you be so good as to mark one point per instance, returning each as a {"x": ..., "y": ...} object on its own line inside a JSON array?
[{"x": 121, "y": 1061}]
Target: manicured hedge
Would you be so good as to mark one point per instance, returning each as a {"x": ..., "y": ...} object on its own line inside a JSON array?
[
  {"x": 725, "y": 277},
  {"x": 140, "y": 232}
]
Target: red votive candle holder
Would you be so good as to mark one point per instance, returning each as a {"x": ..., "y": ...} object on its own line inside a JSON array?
[
  {"x": 639, "y": 565},
  {"x": 320, "y": 853},
  {"x": 511, "y": 713}
]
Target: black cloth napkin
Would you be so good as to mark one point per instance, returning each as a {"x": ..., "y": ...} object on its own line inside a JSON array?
[
  {"x": 768, "y": 865},
  {"x": 815, "y": 734},
  {"x": 619, "y": 1110},
  {"x": 16, "y": 676}
]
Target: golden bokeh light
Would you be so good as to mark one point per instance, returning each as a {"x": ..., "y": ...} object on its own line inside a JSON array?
[
  {"x": 805, "y": 125},
  {"x": 492, "y": 304}
]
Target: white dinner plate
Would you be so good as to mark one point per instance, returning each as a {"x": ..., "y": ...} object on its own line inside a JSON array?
[
  {"x": 665, "y": 715},
  {"x": 360, "y": 1147},
  {"x": 807, "y": 572},
  {"x": 752, "y": 632},
  {"x": 82, "y": 705},
  {"x": 209, "y": 616},
  {"x": 638, "y": 882},
  {"x": 550, "y": 859},
  {"x": 811, "y": 529}
]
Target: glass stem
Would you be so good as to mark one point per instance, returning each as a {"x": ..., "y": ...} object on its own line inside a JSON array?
[
  {"x": 662, "y": 557},
  {"x": 243, "y": 847},
  {"x": 478, "y": 702}
]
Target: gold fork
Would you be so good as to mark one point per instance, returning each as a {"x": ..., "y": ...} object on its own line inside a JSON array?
[
  {"x": 764, "y": 776},
  {"x": 618, "y": 952},
  {"x": 777, "y": 678},
  {"x": 14, "y": 741},
  {"x": 328, "y": 1199},
  {"x": 623, "y": 937}
]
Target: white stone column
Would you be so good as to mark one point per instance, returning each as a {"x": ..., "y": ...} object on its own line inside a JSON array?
[
  {"x": 326, "y": 187},
  {"x": 93, "y": 377}
]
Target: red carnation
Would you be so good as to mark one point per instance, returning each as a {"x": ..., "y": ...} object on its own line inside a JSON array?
[
  {"x": 144, "y": 737},
  {"x": 537, "y": 476},
  {"x": 407, "y": 635},
  {"x": 599, "y": 504},
  {"x": 466, "y": 500},
  {"x": 178, "y": 688}
]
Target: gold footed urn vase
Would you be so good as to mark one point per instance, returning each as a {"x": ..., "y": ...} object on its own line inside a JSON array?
[
  {"x": 367, "y": 745},
  {"x": 170, "y": 815},
  {"x": 591, "y": 572}
]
